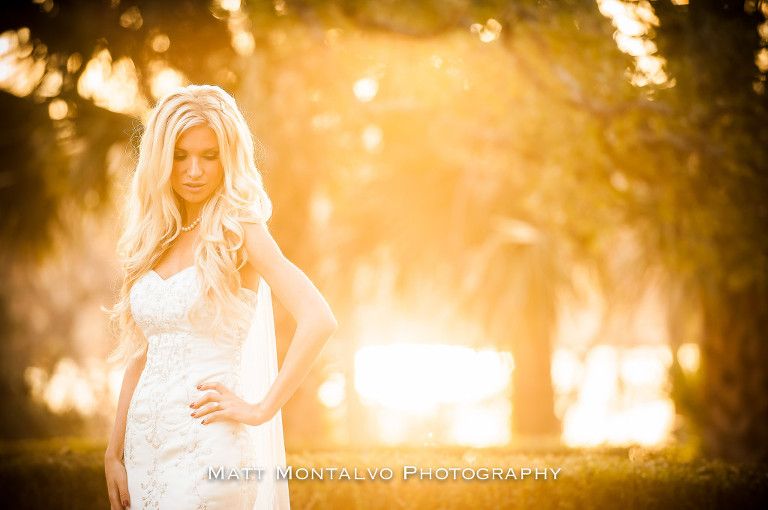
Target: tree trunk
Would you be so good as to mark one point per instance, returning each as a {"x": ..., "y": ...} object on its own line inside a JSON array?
[
  {"x": 530, "y": 326},
  {"x": 734, "y": 390}
]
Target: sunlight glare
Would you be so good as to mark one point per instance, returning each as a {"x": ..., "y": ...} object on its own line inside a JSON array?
[
  {"x": 325, "y": 120},
  {"x": 20, "y": 70},
  {"x": 482, "y": 426},
  {"x": 629, "y": 26},
  {"x": 645, "y": 366},
  {"x": 58, "y": 109},
  {"x": 762, "y": 29},
  {"x": 131, "y": 18},
  {"x": 365, "y": 89},
  {"x": 689, "y": 357},
  {"x": 320, "y": 209},
  {"x": 372, "y": 136},
  {"x": 332, "y": 36},
  {"x": 67, "y": 388},
  {"x": 331, "y": 392},
  {"x": 635, "y": 46},
  {"x": 567, "y": 370},
  {"x": 633, "y": 22},
  {"x": 640, "y": 413},
  {"x": 74, "y": 62},
  {"x": 243, "y": 42},
  {"x": 230, "y": 5},
  {"x": 421, "y": 376},
  {"x": 761, "y": 60},
  {"x": 164, "y": 78},
  {"x": 239, "y": 26},
  {"x": 7, "y": 42},
  {"x": 488, "y": 32},
  {"x": 161, "y": 43},
  {"x": 393, "y": 428},
  {"x": 50, "y": 86},
  {"x": 111, "y": 86},
  {"x": 611, "y": 8}
]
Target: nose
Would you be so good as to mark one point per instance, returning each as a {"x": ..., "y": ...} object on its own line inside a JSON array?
[{"x": 194, "y": 167}]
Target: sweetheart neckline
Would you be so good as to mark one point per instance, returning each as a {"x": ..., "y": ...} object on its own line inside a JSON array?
[
  {"x": 173, "y": 275},
  {"x": 177, "y": 273}
]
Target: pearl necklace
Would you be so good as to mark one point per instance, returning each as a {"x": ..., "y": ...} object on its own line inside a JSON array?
[{"x": 193, "y": 225}]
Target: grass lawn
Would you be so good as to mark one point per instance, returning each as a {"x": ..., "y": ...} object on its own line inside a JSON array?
[{"x": 68, "y": 474}]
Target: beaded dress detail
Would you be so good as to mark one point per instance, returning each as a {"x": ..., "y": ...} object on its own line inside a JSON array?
[{"x": 172, "y": 460}]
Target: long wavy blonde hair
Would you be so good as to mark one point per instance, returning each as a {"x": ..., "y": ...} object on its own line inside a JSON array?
[{"x": 152, "y": 219}]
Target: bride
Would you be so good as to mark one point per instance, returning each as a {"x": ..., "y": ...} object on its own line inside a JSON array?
[{"x": 201, "y": 391}]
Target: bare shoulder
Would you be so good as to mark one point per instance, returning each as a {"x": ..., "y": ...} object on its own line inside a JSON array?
[
  {"x": 263, "y": 252},
  {"x": 289, "y": 284}
]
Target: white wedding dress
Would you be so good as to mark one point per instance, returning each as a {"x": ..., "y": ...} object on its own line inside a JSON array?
[{"x": 172, "y": 460}]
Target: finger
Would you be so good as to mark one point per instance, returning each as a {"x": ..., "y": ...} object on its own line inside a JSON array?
[
  {"x": 211, "y": 396},
  {"x": 125, "y": 499},
  {"x": 114, "y": 496},
  {"x": 213, "y": 385},
  {"x": 206, "y": 409},
  {"x": 118, "y": 497},
  {"x": 122, "y": 489},
  {"x": 216, "y": 416}
]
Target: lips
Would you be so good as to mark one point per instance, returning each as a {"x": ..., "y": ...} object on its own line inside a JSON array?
[{"x": 194, "y": 186}]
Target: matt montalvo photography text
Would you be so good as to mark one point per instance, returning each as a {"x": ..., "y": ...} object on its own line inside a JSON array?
[{"x": 376, "y": 473}]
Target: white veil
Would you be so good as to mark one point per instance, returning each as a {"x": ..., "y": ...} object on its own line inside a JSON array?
[{"x": 259, "y": 369}]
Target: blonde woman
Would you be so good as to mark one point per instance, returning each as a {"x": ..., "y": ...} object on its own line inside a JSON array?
[{"x": 198, "y": 419}]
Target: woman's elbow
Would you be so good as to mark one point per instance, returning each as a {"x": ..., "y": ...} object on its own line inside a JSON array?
[
  {"x": 329, "y": 325},
  {"x": 324, "y": 320},
  {"x": 321, "y": 322}
]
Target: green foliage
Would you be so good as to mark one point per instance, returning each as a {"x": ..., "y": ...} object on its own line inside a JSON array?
[
  {"x": 538, "y": 128},
  {"x": 69, "y": 474},
  {"x": 32, "y": 419}
]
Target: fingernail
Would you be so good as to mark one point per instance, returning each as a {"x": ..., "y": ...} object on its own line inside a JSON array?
[
  {"x": 192, "y": 404},
  {"x": 125, "y": 502},
  {"x": 192, "y": 414},
  {"x": 199, "y": 386}
]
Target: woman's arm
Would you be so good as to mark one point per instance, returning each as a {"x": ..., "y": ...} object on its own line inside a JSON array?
[
  {"x": 117, "y": 481},
  {"x": 315, "y": 325}
]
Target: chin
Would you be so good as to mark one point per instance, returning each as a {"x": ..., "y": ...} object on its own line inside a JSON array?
[{"x": 194, "y": 197}]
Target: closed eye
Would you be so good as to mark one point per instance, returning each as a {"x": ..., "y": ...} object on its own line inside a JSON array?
[{"x": 180, "y": 156}]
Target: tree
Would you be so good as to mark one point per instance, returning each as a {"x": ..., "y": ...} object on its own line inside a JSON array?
[
  {"x": 715, "y": 240},
  {"x": 487, "y": 165}
]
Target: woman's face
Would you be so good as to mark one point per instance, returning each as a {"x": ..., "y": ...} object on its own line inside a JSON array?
[{"x": 197, "y": 170}]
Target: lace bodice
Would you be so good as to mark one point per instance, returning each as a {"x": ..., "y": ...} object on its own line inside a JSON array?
[
  {"x": 160, "y": 306},
  {"x": 167, "y": 451}
]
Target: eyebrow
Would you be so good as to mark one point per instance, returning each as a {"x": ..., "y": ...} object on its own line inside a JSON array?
[{"x": 216, "y": 148}]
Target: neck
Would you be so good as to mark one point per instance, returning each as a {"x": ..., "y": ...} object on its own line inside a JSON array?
[{"x": 190, "y": 213}]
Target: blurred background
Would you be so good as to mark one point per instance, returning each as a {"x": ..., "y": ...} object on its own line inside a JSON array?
[{"x": 537, "y": 222}]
